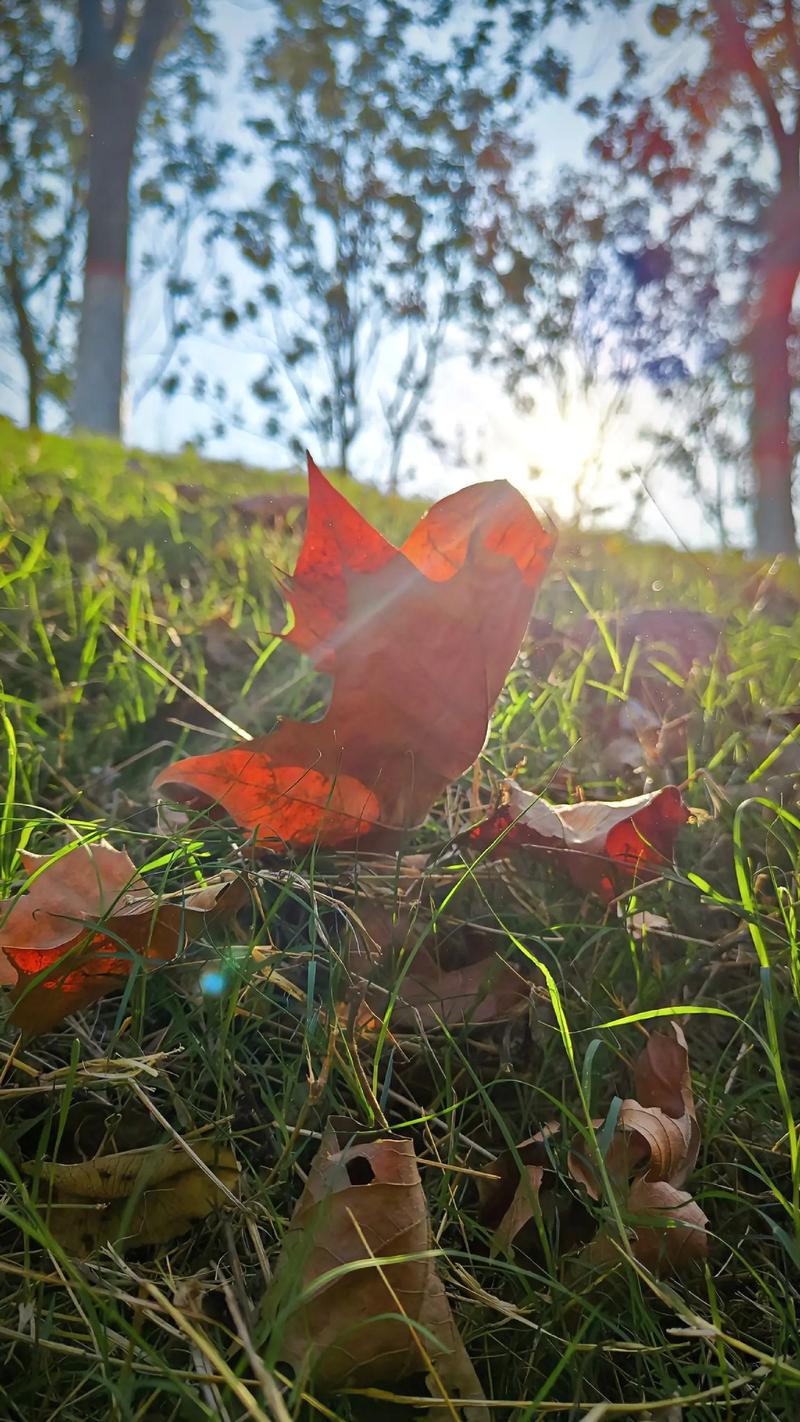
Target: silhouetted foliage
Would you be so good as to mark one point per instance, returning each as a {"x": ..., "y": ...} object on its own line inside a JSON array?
[{"x": 397, "y": 222}]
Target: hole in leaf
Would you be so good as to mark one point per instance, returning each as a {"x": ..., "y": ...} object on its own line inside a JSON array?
[{"x": 359, "y": 1170}]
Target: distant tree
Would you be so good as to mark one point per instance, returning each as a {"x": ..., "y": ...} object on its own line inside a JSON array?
[
  {"x": 181, "y": 172},
  {"x": 101, "y": 133},
  {"x": 41, "y": 198},
  {"x": 700, "y": 209},
  {"x": 392, "y": 222}
]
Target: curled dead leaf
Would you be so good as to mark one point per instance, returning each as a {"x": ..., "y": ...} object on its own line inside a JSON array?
[
  {"x": 418, "y": 641},
  {"x": 85, "y": 917},
  {"x": 666, "y": 1142},
  {"x": 604, "y": 845},
  {"x": 651, "y": 1153},
  {"x": 662, "y": 1078},
  {"x": 487, "y": 990},
  {"x": 667, "y": 1230},
  {"x": 356, "y": 1296},
  {"x": 454, "y": 983},
  {"x": 656, "y": 1135},
  {"x": 514, "y": 1198},
  {"x": 134, "y": 1198}
]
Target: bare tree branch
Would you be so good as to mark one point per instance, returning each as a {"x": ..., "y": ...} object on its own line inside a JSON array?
[
  {"x": 92, "y": 34},
  {"x": 790, "y": 28},
  {"x": 118, "y": 23},
  {"x": 737, "y": 46},
  {"x": 159, "y": 19},
  {"x": 790, "y": 25}
]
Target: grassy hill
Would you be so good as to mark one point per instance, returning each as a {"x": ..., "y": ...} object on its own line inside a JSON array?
[{"x": 139, "y": 620}]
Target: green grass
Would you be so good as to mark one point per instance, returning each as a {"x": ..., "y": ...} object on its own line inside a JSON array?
[{"x": 127, "y": 612}]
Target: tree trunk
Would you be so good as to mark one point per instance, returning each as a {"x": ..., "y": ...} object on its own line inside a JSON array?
[
  {"x": 115, "y": 90},
  {"x": 770, "y": 427},
  {"x": 26, "y": 339},
  {"x": 344, "y": 444},
  {"x": 99, "y": 377},
  {"x": 34, "y": 399}
]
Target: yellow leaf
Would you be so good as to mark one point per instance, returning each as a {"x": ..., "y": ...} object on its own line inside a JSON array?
[{"x": 134, "y": 1198}]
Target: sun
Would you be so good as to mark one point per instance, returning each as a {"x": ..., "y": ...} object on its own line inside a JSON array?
[{"x": 566, "y": 452}]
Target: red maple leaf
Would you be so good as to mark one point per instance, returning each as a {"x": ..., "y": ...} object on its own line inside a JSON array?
[{"x": 418, "y": 641}]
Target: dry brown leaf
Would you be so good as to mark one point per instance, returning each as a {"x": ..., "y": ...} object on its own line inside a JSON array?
[
  {"x": 523, "y": 1208},
  {"x": 455, "y": 983},
  {"x": 363, "y": 1201},
  {"x": 662, "y": 1078},
  {"x": 668, "y": 1141},
  {"x": 667, "y": 1230},
  {"x": 484, "y": 991},
  {"x": 656, "y": 1135},
  {"x": 678, "y": 637},
  {"x": 626, "y": 1153},
  {"x": 510, "y": 1201},
  {"x": 653, "y": 725},
  {"x": 137, "y": 1197},
  {"x": 646, "y": 1142},
  {"x": 651, "y": 1153},
  {"x": 661, "y": 1073}
]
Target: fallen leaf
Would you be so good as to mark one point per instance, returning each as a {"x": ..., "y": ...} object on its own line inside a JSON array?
[
  {"x": 418, "y": 641},
  {"x": 658, "y": 1145},
  {"x": 454, "y": 982},
  {"x": 523, "y": 1208},
  {"x": 656, "y": 1136},
  {"x": 605, "y": 845},
  {"x": 646, "y": 1159},
  {"x": 660, "y": 649},
  {"x": 643, "y": 922},
  {"x": 652, "y": 1151},
  {"x": 662, "y": 1075},
  {"x": 86, "y": 915},
  {"x": 667, "y": 1230},
  {"x": 137, "y": 1197},
  {"x": 356, "y": 1296},
  {"x": 487, "y": 990},
  {"x": 511, "y": 1200},
  {"x": 663, "y": 1079}
]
